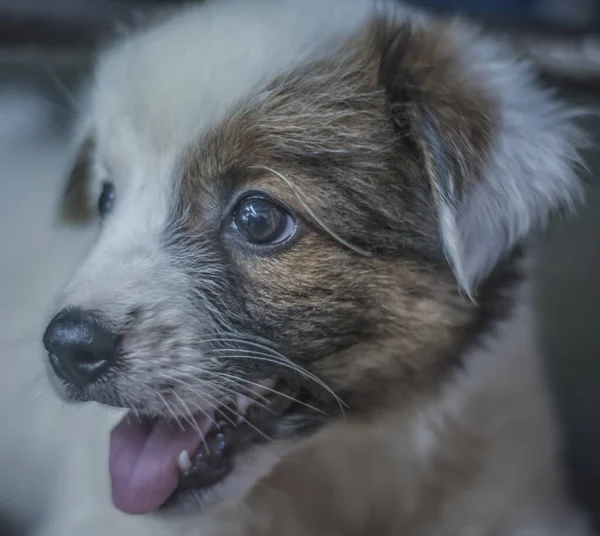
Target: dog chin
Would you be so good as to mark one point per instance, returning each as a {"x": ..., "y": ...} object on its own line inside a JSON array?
[{"x": 250, "y": 467}]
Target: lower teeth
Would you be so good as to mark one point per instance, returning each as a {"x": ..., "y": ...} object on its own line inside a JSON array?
[
  {"x": 214, "y": 459},
  {"x": 210, "y": 464},
  {"x": 185, "y": 464}
]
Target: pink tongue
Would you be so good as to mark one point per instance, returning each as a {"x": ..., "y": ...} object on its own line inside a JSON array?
[{"x": 143, "y": 461}]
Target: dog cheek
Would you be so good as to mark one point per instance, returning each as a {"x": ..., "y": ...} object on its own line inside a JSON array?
[{"x": 310, "y": 300}]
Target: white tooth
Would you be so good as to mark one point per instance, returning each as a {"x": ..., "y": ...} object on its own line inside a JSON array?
[
  {"x": 185, "y": 464},
  {"x": 265, "y": 387},
  {"x": 242, "y": 404},
  {"x": 268, "y": 383}
]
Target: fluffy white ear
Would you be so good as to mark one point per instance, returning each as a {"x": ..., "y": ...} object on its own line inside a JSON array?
[{"x": 499, "y": 151}]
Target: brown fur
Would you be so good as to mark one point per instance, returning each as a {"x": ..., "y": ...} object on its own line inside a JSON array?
[
  {"x": 422, "y": 74},
  {"x": 367, "y": 325}
]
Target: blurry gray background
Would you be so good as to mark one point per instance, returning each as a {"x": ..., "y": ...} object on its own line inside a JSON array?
[{"x": 46, "y": 46}]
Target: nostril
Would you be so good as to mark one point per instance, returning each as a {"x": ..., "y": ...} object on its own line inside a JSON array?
[{"x": 80, "y": 346}]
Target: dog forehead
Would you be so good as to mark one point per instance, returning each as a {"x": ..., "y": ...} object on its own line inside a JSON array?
[{"x": 163, "y": 87}]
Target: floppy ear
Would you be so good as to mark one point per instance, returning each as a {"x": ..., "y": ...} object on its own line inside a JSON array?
[
  {"x": 76, "y": 204},
  {"x": 499, "y": 151}
]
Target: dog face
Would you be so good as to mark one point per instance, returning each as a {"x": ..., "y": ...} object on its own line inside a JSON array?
[{"x": 289, "y": 232}]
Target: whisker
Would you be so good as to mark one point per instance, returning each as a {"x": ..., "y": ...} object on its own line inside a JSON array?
[
  {"x": 243, "y": 341},
  {"x": 170, "y": 410},
  {"x": 190, "y": 417},
  {"x": 216, "y": 406},
  {"x": 233, "y": 423},
  {"x": 241, "y": 417},
  {"x": 207, "y": 415},
  {"x": 288, "y": 362},
  {"x": 273, "y": 357},
  {"x": 294, "y": 367},
  {"x": 275, "y": 391},
  {"x": 262, "y": 399}
]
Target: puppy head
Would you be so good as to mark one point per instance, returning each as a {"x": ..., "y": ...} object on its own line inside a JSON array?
[{"x": 288, "y": 232}]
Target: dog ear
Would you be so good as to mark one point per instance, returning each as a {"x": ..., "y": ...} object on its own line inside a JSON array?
[
  {"x": 76, "y": 204},
  {"x": 499, "y": 151}
]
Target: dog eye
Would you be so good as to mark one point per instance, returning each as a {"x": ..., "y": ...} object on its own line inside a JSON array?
[
  {"x": 107, "y": 199},
  {"x": 260, "y": 221}
]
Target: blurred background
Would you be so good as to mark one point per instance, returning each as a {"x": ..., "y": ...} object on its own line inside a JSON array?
[{"x": 45, "y": 52}]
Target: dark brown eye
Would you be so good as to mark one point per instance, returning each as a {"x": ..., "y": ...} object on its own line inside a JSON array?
[
  {"x": 107, "y": 199},
  {"x": 260, "y": 221}
]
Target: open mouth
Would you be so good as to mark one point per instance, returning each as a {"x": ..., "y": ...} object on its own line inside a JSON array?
[{"x": 153, "y": 460}]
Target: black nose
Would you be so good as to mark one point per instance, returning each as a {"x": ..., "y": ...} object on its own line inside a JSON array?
[{"x": 80, "y": 347}]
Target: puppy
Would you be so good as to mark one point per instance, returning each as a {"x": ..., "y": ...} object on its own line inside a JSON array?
[{"x": 312, "y": 218}]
